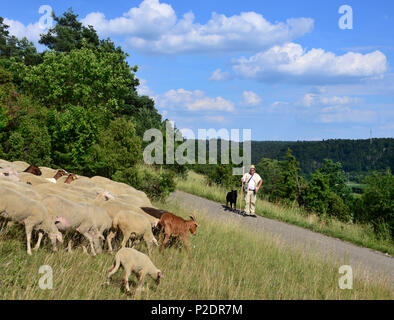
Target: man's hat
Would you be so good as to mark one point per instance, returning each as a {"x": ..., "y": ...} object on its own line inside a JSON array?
[{"x": 252, "y": 167}]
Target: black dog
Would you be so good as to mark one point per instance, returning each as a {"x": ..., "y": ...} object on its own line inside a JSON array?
[{"x": 232, "y": 198}]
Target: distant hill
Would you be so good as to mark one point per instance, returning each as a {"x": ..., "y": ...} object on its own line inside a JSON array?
[{"x": 356, "y": 156}]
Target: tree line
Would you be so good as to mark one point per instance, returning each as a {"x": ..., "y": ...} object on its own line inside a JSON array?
[{"x": 358, "y": 157}]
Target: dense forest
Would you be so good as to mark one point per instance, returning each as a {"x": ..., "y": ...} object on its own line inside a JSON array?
[{"x": 356, "y": 156}]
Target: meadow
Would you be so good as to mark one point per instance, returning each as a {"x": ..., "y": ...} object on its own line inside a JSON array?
[
  {"x": 226, "y": 262},
  {"x": 359, "y": 234}
]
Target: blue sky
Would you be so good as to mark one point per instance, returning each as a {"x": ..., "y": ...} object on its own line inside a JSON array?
[{"x": 284, "y": 69}]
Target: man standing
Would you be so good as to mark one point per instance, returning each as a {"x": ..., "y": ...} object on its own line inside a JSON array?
[{"x": 252, "y": 182}]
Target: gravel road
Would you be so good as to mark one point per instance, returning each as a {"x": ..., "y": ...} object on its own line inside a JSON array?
[{"x": 365, "y": 262}]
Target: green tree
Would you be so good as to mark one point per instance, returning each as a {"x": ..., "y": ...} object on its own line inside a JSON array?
[
  {"x": 317, "y": 193},
  {"x": 156, "y": 183},
  {"x": 290, "y": 185},
  {"x": 222, "y": 175},
  {"x": 82, "y": 77},
  {"x": 376, "y": 204},
  {"x": 118, "y": 148},
  {"x": 31, "y": 143},
  {"x": 143, "y": 110},
  {"x": 69, "y": 34},
  {"x": 6, "y": 90},
  {"x": 337, "y": 208},
  {"x": 73, "y": 132},
  {"x": 21, "y": 50},
  {"x": 337, "y": 178},
  {"x": 271, "y": 173}
]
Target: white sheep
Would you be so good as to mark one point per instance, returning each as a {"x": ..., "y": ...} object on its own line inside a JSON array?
[
  {"x": 20, "y": 165},
  {"x": 46, "y": 189},
  {"x": 84, "y": 182},
  {"x": 20, "y": 187},
  {"x": 16, "y": 207},
  {"x": 136, "y": 262},
  {"x": 113, "y": 207},
  {"x": 136, "y": 225},
  {"x": 118, "y": 188},
  {"x": 47, "y": 172},
  {"x": 10, "y": 173},
  {"x": 73, "y": 216},
  {"x": 133, "y": 200},
  {"x": 101, "y": 219},
  {"x": 5, "y": 163},
  {"x": 31, "y": 178},
  {"x": 85, "y": 191}
]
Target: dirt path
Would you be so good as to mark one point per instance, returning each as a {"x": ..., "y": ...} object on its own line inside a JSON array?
[{"x": 365, "y": 262}]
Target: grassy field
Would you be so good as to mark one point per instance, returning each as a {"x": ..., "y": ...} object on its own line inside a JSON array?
[
  {"x": 226, "y": 262},
  {"x": 361, "y": 235}
]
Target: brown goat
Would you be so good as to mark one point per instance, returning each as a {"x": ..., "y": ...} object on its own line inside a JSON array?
[
  {"x": 33, "y": 170},
  {"x": 177, "y": 227},
  {"x": 60, "y": 173},
  {"x": 71, "y": 177}
]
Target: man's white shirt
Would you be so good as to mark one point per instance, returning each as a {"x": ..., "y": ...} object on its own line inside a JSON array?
[{"x": 253, "y": 182}]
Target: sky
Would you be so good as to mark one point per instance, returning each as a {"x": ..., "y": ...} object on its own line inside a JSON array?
[{"x": 288, "y": 70}]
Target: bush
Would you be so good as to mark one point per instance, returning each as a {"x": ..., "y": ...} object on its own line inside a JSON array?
[
  {"x": 376, "y": 204},
  {"x": 337, "y": 208},
  {"x": 222, "y": 175},
  {"x": 157, "y": 184},
  {"x": 31, "y": 143},
  {"x": 118, "y": 148},
  {"x": 315, "y": 195}
]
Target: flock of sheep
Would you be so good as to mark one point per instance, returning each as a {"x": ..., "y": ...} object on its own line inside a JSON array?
[{"x": 58, "y": 204}]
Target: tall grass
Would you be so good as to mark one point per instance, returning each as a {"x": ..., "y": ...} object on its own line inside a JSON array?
[
  {"x": 360, "y": 234},
  {"x": 226, "y": 262}
]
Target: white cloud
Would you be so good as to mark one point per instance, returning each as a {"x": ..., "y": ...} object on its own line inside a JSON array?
[
  {"x": 220, "y": 119},
  {"x": 217, "y": 103},
  {"x": 312, "y": 99},
  {"x": 250, "y": 98},
  {"x": 339, "y": 114},
  {"x": 31, "y": 31},
  {"x": 143, "y": 89},
  {"x": 291, "y": 63},
  {"x": 278, "y": 103},
  {"x": 148, "y": 21},
  {"x": 196, "y": 100},
  {"x": 219, "y": 75},
  {"x": 154, "y": 27},
  {"x": 336, "y": 109}
]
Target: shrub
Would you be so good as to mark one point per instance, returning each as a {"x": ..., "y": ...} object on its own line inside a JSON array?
[
  {"x": 337, "y": 208},
  {"x": 157, "y": 184},
  {"x": 376, "y": 204},
  {"x": 31, "y": 143},
  {"x": 316, "y": 194},
  {"x": 222, "y": 175},
  {"x": 118, "y": 148}
]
